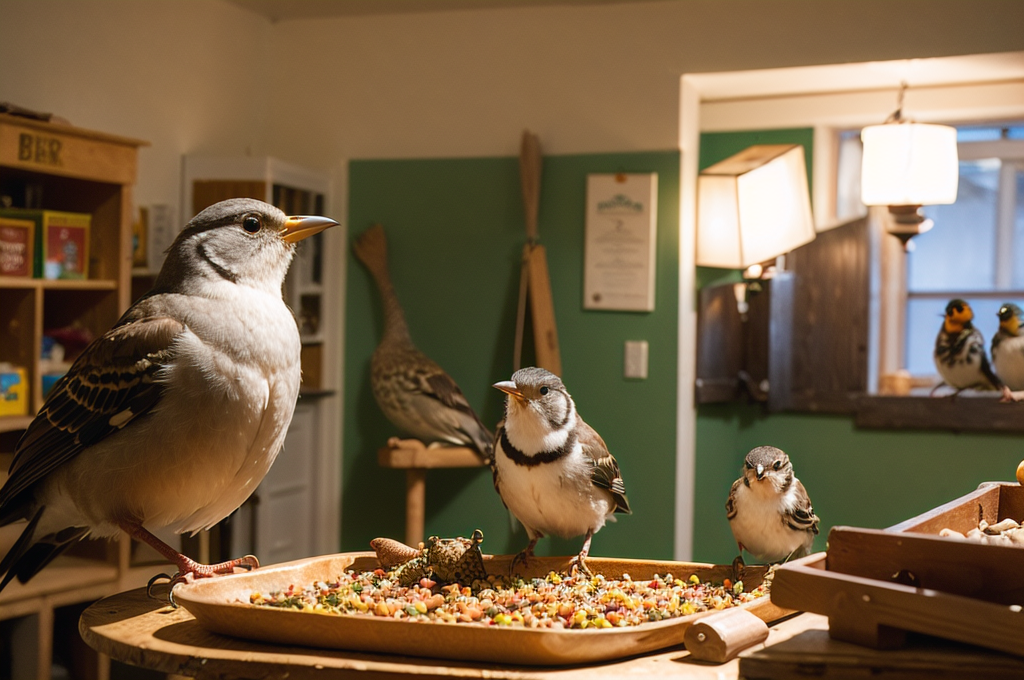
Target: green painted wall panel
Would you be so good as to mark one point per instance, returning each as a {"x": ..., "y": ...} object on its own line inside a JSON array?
[{"x": 455, "y": 230}]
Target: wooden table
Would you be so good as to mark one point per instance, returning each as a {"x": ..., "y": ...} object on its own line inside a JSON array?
[
  {"x": 135, "y": 629},
  {"x": 415, "y": 458}
]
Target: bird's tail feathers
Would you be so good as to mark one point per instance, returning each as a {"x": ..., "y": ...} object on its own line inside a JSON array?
[
  {"x": 18, "y": 550},
  {"x": 28, "y": 556}
]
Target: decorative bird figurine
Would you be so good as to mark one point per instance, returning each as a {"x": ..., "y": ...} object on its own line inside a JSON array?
[
  {"x": 960, "y": 353},
  {"x": 173, "y": 416},
  {"x": 414, "y": 393},
  {"x": 769, "y": 511},
  {"x": 551, "y": 469},
  {"x": 1008, "y": 347}
]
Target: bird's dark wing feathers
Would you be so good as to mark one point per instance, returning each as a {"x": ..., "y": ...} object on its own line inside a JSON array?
[
  {"x": 108, "y": 386},
  {"x": 606, "y": 473},
  {"x": 802, "y": 517},
  {"x": 730, "y": 504}
]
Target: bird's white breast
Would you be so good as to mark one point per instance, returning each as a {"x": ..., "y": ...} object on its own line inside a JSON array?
[
  {"x": 556, "y": 498},
  {"x": 758, "y": 522},
  {"x": 205, "y": 447},
  {"x": 1008, "y": 360}
]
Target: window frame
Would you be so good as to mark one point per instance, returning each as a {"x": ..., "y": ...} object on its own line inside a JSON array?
[{"x": 1011, "y": 154}]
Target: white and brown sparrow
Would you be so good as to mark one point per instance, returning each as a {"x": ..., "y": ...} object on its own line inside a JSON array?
[
  {"x": 173, "y": 416},
  {"x": 1008, "y": 347},
  {"x": 551, "y": 469},
  {"x": 769, "y": 511},
  {"x": 960, "y": 353},
  {"x": 414, "y": 393}
]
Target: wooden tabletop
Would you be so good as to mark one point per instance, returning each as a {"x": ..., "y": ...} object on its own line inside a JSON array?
[{"x": 137, "y": 630}]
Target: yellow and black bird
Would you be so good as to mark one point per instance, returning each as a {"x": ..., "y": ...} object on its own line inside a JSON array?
[
  {"x": 414, "y": 393},
  {"x": 1008, "y": 347},
  {"x": 960, "y": 353}
]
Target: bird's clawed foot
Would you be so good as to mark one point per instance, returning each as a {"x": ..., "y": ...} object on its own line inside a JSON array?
[
  {"x": 523, "y": 556},
  {"x": 738, "y": 567},
  {"x": 1010, "y": 396},
  {"x": 189, "y": 570},
  {"x": 579, "y": 564}
]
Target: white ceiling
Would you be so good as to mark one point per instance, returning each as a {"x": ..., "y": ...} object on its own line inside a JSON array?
[{"x": 279, "y": 10}]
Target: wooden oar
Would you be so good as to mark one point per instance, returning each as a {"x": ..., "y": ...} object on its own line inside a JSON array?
[{"x": 534, "y": 282}]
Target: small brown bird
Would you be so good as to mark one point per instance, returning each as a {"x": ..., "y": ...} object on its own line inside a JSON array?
[
  {"x": 769, "y": 511},
  {"x": 173, "y": 416},
  {"x": 551, "y": 469},
  {"x": 414, "y": 393}
]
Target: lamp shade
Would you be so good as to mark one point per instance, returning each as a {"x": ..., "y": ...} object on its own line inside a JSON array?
[
  {"x": 909, "y": 164},
  {"x": 753, "y": 206}
]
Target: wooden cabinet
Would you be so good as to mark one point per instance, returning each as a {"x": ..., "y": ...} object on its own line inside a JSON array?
[{"x": 57, "y": 167}]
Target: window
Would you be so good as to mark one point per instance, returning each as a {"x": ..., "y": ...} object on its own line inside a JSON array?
[{"x": 975, "y": 250}]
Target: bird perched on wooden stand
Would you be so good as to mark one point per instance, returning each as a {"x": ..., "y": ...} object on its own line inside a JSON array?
[
  {"x": 414, "y": 393},
  {"x": 551, "y": 469},
  {"x": 173, "y": 416}
]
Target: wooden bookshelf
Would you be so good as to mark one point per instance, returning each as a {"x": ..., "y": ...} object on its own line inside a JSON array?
[{"x": 59, "y": 167}]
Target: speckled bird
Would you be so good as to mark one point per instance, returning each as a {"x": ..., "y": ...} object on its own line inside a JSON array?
[
  {"x": 769, "y": 511},
  {"x": 960, "y": 353},
  {"x": 413, "y": 391}
]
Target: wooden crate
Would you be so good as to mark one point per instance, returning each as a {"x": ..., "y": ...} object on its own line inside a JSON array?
[{"x": 876, "y": 585}]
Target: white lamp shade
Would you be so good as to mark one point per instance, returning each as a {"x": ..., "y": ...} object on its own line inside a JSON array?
[
  {"x": 753, "y": 206},
  {"x": 909, "y": 164}
]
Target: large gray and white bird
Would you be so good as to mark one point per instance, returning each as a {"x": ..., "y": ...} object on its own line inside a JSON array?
[
  {"x": 1008, "y": 347},
  {"x": 412, "y": 390},
  {"x": 552, "y": 470},
  {"x": 173, "y": 416},
  {"x": 769, "y": 511}
]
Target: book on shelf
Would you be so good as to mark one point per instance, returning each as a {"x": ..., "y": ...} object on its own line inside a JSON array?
[{"x": 61, "y": 242}]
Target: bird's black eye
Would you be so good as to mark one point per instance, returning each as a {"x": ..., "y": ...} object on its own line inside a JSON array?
[
  {"x": 252, "y": 224},
  {"x": 778, "y": 464},
  {"x": 543, "y": 390}
]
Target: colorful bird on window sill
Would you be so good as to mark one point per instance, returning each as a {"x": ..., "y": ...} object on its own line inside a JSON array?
[{"x": 960, "y": 353}]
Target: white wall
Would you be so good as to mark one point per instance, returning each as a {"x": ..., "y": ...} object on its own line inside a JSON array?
[
  {"x": 185, "y": 76},
  {"x": 203, "y": 76}
]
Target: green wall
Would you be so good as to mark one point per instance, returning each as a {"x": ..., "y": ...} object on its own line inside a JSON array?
[
  {"x": 870, "y": 478},
  {"x": 455, "y": 230}
]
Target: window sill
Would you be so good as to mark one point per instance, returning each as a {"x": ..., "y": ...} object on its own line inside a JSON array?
[{"x": 965, "y": 413}]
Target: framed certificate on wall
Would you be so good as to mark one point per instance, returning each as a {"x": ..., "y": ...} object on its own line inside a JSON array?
[{"x": 620, "y": 243}]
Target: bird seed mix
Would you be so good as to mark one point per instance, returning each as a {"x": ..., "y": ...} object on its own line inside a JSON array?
[{"x": 556, "y": 601}]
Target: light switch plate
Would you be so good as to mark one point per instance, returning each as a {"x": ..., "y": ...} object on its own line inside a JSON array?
[{"x": 636, "y": 359}]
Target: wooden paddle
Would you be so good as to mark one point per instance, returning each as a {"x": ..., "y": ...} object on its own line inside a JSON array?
[{"x": 534, "y": 282}]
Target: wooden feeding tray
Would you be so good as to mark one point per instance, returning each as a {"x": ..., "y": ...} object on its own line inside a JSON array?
[
  {"x": 875, "y": 586},
  {"x": 221, "y": 605}
]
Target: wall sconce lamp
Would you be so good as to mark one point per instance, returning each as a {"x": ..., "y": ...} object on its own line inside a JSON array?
[
  {"x": 751, "y": 208},
  {"x": 907, "y": 165}
]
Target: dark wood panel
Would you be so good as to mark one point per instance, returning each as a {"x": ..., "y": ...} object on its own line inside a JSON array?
[
  {"x": 959, "y": 414},
  {"x": 719, "y": 345},
  {"x": 830, "y": 320}
]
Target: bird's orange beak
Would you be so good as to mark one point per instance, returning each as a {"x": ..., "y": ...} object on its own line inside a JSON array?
[
  {"x": 299, "y": 227},
  {"x": 509, "y": 388}
]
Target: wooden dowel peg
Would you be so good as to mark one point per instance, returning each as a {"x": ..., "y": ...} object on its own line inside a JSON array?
[{"x": 721, "y": 637}]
